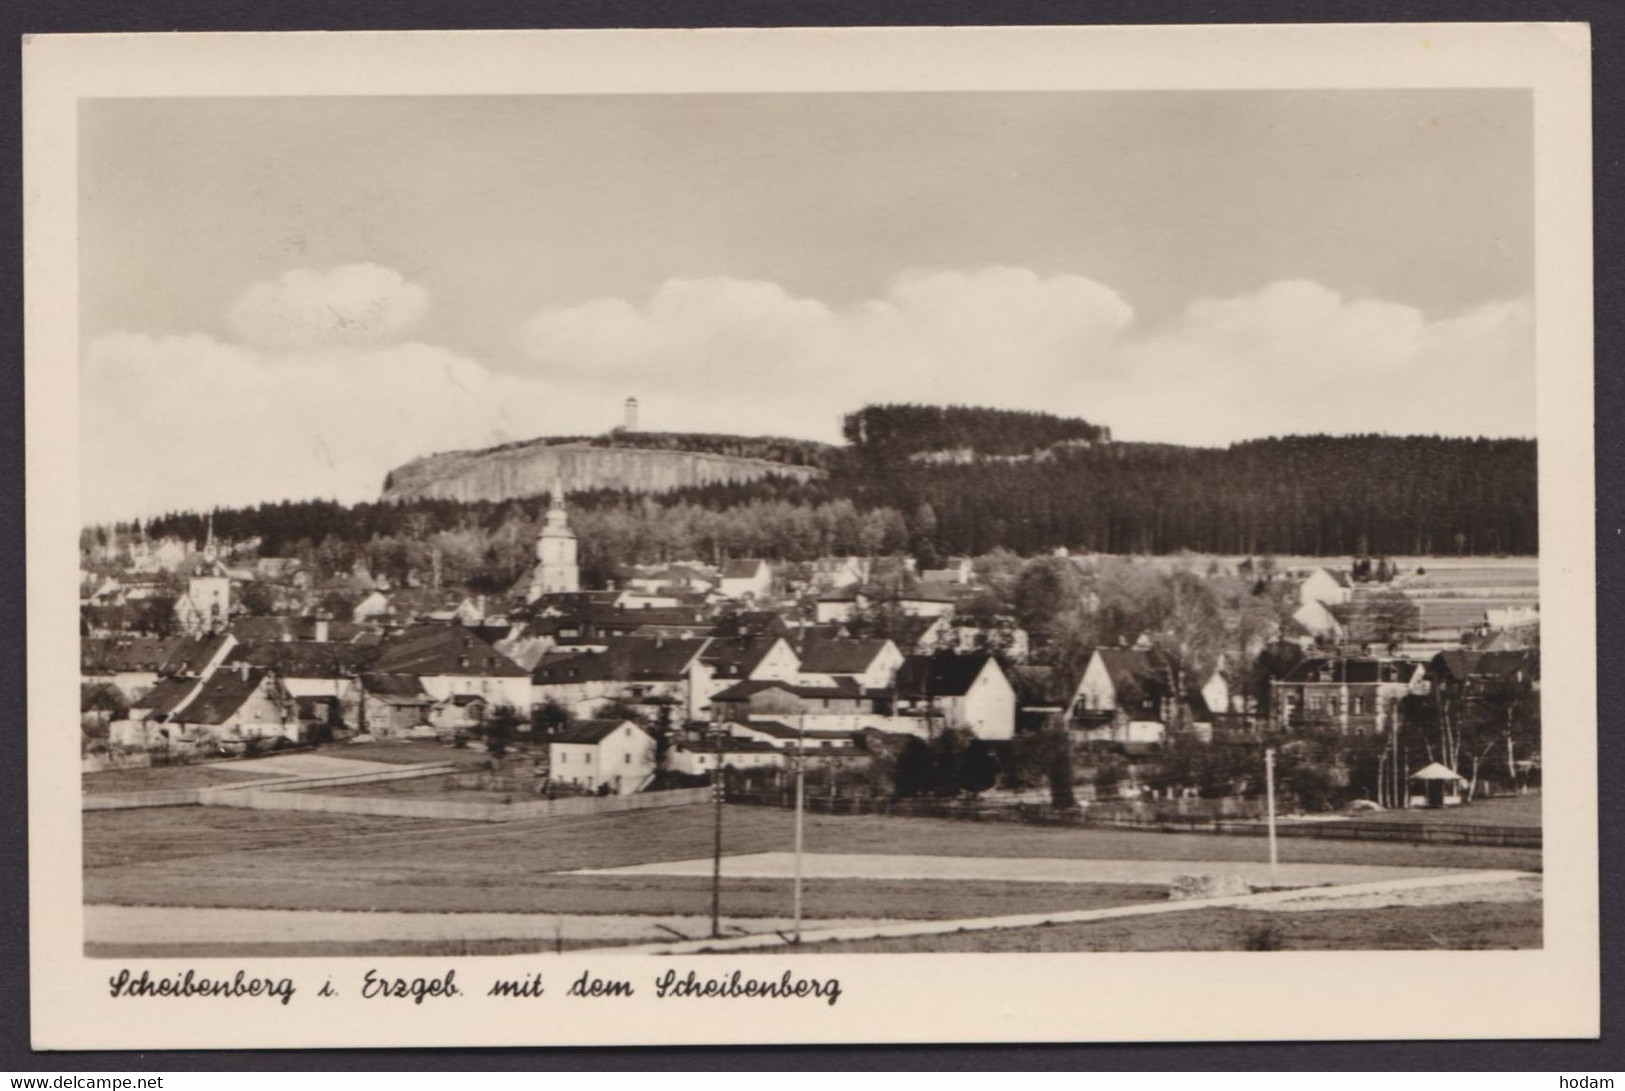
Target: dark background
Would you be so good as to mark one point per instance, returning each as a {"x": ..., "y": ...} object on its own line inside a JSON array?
[{"x": 90, "y": 16}]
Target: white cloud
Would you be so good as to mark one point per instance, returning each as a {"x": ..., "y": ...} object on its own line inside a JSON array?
[
  {"x": 192, "y": 422},
  {"x": 1292, "y": 356},
  {"x": 306, "y": 308},
  {"x": 312, "y": 407}
]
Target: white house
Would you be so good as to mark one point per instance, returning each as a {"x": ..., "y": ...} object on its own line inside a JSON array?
[
  {"x": 747, "y": 579},
  {"x": 871, "y": 663},
  {"x": 959, "y": 691},
  {"x": 1326, "y": 587},
  {"x": 842, "y": 605},
  {"x": 1318, "y": 621},
  {"x": 732, "y": 752},
  {"x": 593, "y": 753}
]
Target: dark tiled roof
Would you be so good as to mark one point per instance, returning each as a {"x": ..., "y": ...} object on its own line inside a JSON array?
[
  {"x": 394, "y": 687},
  {"x": 939, "y": 675},
  {"x": 308, "y": 658},
  {"x": 736, "y": 657},
  {"x": 840, "y": 656},
  {"x": 785, "y": 731},
  {"x": 444, "y": 649},
  {"x": 741, "y": 569},
  {"x": 192, "y": 654},
  {"x": 129, "y": 653},
  {"x": 221, "y": 696},
  {"x": 588, "y": 731},
  {"x": 166, "y": 696}
]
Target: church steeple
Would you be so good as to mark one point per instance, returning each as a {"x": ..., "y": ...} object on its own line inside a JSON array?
[{"x": 556, "y": 568}]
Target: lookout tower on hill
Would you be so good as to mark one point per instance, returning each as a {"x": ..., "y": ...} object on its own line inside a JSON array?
[
  {"x": 631, "y": 422},
  {"x": 556, "y": 567}
]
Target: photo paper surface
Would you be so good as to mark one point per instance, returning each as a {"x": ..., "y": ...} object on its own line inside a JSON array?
[{"x": 736, "y": 537}]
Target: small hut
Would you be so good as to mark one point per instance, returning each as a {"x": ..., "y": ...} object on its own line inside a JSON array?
[{"x": 1436, "y": 785}]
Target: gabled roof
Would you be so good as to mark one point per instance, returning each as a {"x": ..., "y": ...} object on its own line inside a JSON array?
[
  {"x": 844, "y": 689},
  {"x": 444, "y": 649},
  {"x": 308, "y": 658},
  {"x": 743, "y": 569},
  {"x": 756, "y": 623},
  {"x": 395, "y": 688},
  {"x": 1361, "y": 671},
  {"x": 1129, "y": 667},
  {"x": 784, "y": 731},
  {"x": 166, "y": 696},
  {"x": 940, "y": 675},
  {"x": 590, "y": 731},
  {"x": 736, "y": 657},
  {"x": 841, "y": 656},
  {"x": 849, "y": 593},
  {"x": 221, "y": 696},
  {"x": 127, "y": 653},
  {"x": 192, "y": 654}
]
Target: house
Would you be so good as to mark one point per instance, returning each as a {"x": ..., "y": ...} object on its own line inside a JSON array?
[
  {"x": 871, "y": 663},
  {"x": 205, "y": 607},
  {"x": 746, "y": 579},
  {"x": 968, "y": 692},
  {"x": 958, "y": 571},
  {"x": 132, "y": 664},
  {"x": 394, "y": 705},
  {"x": 235, "y": 702},
  {"x": 834, "y": 572},
  {"x": 843, "y": 707},
  {"x": 1316, "y": 621},
  {"x": 1347, "y": 694},
  {"x": 840, "y": 605},
  {"x": 458, "y": 712},
  {"x": 316, "y": 669},
  {"x": 595, "y": 753},
  {"x": 725, "y": 751},
  {"x": 1124, "y": 700},
  {"x": 782, "y": 736},
  {"x": 1327, "y": 587},
  {"x": 451, "y": 660},
  {"x": 923, "y": 603}
]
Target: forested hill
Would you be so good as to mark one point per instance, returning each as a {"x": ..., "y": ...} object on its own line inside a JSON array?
[
  {"x": 1295, "y": 495},
  {"x": 881, "y": 432}
]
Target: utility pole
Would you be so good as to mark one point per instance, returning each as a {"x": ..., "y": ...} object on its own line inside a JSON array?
[
  {"x": 718, "y": 791},
  {"x": 801, "y": 778},
  {"x": 1269, "y": 791}
]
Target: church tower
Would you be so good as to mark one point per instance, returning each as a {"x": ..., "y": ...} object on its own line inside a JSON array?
[{"x": 556, "y": 567}]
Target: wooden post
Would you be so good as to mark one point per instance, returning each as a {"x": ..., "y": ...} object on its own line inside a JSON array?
[
  {"x": 801, "y": 777},
  {"x": 1269, "y": 791}
]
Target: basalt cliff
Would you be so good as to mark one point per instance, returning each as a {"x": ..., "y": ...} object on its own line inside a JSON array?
[{"x": 530, "y": 469}]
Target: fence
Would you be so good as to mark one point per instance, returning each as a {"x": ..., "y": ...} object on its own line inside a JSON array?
[
  {"x": 213, "y": 794},
  {"x": 448, "y": 810},
  {"x": 1351, "y": 830}
]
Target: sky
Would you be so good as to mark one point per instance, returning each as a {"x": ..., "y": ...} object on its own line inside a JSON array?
[{"x": 284, "y": 298}]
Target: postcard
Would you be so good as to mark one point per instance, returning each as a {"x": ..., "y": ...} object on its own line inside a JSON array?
[{"x": 712, "y": 537}]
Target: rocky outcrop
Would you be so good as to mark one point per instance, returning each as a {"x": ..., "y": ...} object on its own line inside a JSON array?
[{"x": 529, "y": 469}]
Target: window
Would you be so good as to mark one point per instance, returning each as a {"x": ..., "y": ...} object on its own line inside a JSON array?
[
  {"x": 626, "y": 759},
  {"x": 462, "y": 660},
  {"x": 1316, "y": 702}
]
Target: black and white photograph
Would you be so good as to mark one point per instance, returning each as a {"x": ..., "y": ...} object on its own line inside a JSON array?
[{"x": 642, "y": 543}]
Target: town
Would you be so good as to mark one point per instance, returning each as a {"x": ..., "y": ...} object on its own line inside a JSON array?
[{"x": 1072, "y": 679}]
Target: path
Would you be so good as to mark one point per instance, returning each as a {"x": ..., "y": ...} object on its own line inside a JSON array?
[
  {"x": 1329, "y": 899},
  {"x": 117, "y": 924},
  {"x": 781, "y": 865}
]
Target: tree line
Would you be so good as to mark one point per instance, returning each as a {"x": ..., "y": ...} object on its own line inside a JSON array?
[{"x": 1315, "y": 495}]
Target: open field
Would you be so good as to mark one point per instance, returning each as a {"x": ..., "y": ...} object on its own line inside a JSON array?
[
  {"x": 1501, "y": 811},
  {"x": 403, "y": 752},
  {"x": 157, "y": 778},
  {"x": 1469, "y": 926},
  {"x": 205, "y": 856}
]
